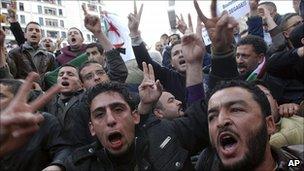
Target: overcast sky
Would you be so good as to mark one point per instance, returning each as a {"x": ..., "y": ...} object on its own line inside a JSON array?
[{"x": 154, "y": 20}]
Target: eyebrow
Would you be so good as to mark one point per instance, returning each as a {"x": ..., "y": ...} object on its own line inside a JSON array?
[
  {"x": 170, "y": 98},
  {"x": 228, "y": 104},
  {"x": 110, "y": 105}
]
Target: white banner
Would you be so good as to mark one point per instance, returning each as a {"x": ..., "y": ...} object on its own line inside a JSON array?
[
  {"x": 205, "y": 36},
  {"x": 235, "y": 8}
]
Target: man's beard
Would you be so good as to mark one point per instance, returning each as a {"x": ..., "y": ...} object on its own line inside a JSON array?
[{"x": 256, "y": 145}]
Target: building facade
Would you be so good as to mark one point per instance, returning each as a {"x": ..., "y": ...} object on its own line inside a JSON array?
[{"x": 54, "y": 16}]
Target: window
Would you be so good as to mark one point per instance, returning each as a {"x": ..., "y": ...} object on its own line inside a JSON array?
[
  {"x": 42, "y": 33},
  {"x": 61, "y": 23},
  {"x": 59, "y": 2},
  {"x": 39, "y": 9},
  {"x": 22, "y": 19},
  {"x": 50, "y": 11},
  {"x": 51, "y": 22},
  {"x": 21, "y": 6},
  {"x": 60, "y": 11},
  {"x": 4, "y": 5},
  {"x": 41, "y": 21},
  {"x": 52, "y": 34},
  {"x": 88, "y": 37},
  {"x": 63, "y": 34},
  {"x": 49, "y": 1}
]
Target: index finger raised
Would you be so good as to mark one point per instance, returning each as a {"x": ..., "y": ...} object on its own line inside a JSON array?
[
  {"x": 213, "y": 8},
  {"x": 84, "y": 9},
  {"x": 199, "y": 12}
]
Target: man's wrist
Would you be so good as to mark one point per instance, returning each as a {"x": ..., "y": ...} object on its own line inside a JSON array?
[
  {"x": 134, "y": 33},
  {"x": 144, "y": 108}
]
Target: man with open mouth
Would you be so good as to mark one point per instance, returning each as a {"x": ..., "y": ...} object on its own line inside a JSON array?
[
  {"x": 69, "y": 97},
  {"x": 130, "y": 138},
  {"x": 31, "y": 56},
  {"x": 240, "y": 125}
]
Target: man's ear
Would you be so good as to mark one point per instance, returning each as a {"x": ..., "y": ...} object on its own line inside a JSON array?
[
  {"x": 286, "y": 35},
  {"x": 93, "y": 133},
  {"x": 25, "y": 35},
  {"x": 261, "y": 57},
  {"x": 271, "y": 128},
  {"x": 302, "y": 41},
  {"x": 135, "y": 116},
  {"x": 158, "y": 113}
]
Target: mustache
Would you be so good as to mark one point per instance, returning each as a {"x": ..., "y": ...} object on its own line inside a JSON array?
[
  {"x": 227, "y": 129},
  {"x": 241, "y": 66}
]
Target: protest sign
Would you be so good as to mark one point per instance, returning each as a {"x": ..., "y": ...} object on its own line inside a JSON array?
[
  {"x": 205, "y": 36},
  {"x": 235, "y": 8}
]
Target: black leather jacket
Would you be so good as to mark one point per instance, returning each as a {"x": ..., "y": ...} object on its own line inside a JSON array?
[
  {"x": 46, "y": 147},
  {"x": 159, "y": 144},
  {"x": 209, "y": 161}
]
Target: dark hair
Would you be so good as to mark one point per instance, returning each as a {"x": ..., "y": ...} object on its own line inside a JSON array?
[
  {"x": 131, "y": 98},
  {"x": 259, "y": 45},
  {"x": 257, "y": 94},
  {"x": 178, "y": 36},
  {"x": 296, "y": 35},
  {"x": 87, "y": 63},
  {"x": 285, "y": 18},
  {"x": 76, "y": 29},
  {"x": 31, "y": 22},
  {"x": 271, "y": 4},
  {"x": 163, "y": 35},
  {"x": 99, "y": 47},
  {"x": 12, "y": 84},
  {"x": 69, "y": 65}
]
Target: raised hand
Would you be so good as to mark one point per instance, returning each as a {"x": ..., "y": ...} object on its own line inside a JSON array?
[
  {"x": 149, "y": 89},
  {"x": 253, "y": 7},
  {"x": 181, "y": 25},
  {"x": 18, "y": 120},
  {"x": 58, "y": 43},
  {"x": 91, "y": 22},
  {"x": 134, "y": 20},
  {"x": 265, "y": 14},
  {"x": 220, "y": 29},
  {"x": 192, "y": 44},
  {"x": 288, "y": 109},
  {"x": 11, "y": 17}
]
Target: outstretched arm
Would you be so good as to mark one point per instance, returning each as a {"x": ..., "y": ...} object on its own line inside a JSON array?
[
  {"x": 92, "y": 23},
  {"x": 15, "y": 26},
  {"x": 18, "y": 121}
]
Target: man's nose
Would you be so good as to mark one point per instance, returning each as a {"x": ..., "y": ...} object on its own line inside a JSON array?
[
  {"x": 111, "y": 121},
  {"x": 223, "y": 120},
  {"x": 96, "y": 77}
]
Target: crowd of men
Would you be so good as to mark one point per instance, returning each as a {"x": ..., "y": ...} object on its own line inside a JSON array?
[{"x": 237, "y": 104}]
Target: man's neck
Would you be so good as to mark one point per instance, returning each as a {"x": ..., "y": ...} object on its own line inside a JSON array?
[
  {"x": 67, "y": 95},
  {"x": 269, "y": 163},
  {"x": 33, "y": 45},
  {"x": 75, "y": 48}
]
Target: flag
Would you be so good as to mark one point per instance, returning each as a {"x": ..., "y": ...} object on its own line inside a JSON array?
[
  {"x": 118, "y": 34},
  {"x": 258, "y": 72}
]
